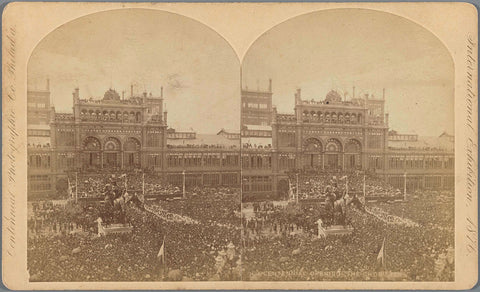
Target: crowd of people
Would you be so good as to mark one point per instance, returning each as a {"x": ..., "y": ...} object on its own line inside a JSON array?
[
  {"x": 207, "y": 248},
  {"x": 423, "y": 251},
  {"x": 315, "y": 186},
  {"x": 209, "y": 204},
  {"x": 255, "y": 146},
  {"x": 46, "y": 218},
  {"x": 209, "y": 235},
  {"x": 92, "y": 184}
]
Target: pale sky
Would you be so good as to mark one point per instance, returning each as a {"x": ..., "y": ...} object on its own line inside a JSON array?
[
  {"x": 197, "y": 68},
  {"x": 339, "y": 49}
]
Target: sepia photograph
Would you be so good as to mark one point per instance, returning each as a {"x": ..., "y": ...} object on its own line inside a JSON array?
[
  {"x": 345, "y": 174},
  {"x": 133, "y": 151},
  {"x": 181, "y": 146}
]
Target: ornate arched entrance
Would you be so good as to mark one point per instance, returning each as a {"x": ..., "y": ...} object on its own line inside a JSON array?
[
  {"x": 312, "y": 153},
  {"x": 333, "y": 149},
  {"x": 91, "y": 152},
  {"x": 111, "y": 152},
  {"x": 353, "y": 150},
  {"x": 131, "y": 149}
]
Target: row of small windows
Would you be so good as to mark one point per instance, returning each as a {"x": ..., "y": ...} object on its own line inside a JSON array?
[
  {"x": 256, "y": 133},
  {"x": 39, "y": 161},
  {"x": 207, "y": 179},
  {"x": 65, "y": 138},
  {"x": 286, "y": 139},
  {"x": 64, "y": 162},
  {"x": 375, "y": 162},
  {"x": 39, "y": 178},
  {"x": 255, "y": 105},
  {"x": 202, "y": 159},
  {"x": 332, "y": 117},
  {"x": 286, "y": 162},
  {"x": 154, "y": 140},
  {"x": 374, "y": 141},
  {"x": 38, "y": 133},
  {"x": 428, "y": 162},
  {"x": 38, "y": 187},
  {"x": 36, "y": 105},
  {"x": 257, "y": 184},
  {"x": 417, "y": 182},
  {"x": 90, "y": 115},
  {"x": 258, "y": 161},
  {"x": 154, "y": 160}
]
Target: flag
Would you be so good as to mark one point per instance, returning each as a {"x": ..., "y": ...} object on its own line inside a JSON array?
[
  {"x": 381, "y": 255},
  {"x": 161, "y": 252}
]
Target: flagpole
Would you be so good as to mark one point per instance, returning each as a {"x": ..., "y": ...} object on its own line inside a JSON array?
[
  {"x": 183, "y": 174},
  {"x": 384, "y": 252},
  {"x": 164, "y": 252},
  {"x": 405, "y": 186},
  {"x": 346, "y": 185},
  {"x": 76, "y": 187},
  {"x": 297, "y": 190},
  {"x": 143, "y": 184},
  {"x": 364, "y": 190}
]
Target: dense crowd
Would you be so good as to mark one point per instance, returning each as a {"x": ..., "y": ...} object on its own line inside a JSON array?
[
  {"x": 210, "y": 205},
  {"x": 209, "y": 235},
  {"x": 46, "y": 218},
  {"x": 315, "y": 186},
  {"x": 92, "y": 184},
  {"x": 206, "y": 250},
  {"x": 255, "y": 146},
  {"x": 423, "y": 252}
]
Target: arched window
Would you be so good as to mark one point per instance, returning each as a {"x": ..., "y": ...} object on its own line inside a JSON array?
[{"x": 132, "y": 144}]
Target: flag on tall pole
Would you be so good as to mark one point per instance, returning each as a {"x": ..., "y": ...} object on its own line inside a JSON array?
[
  {"x": 183, "y": 174},
  {"x": 381, "y": 255},
  {"x": 364, "y": 189},
  {"x": 297, "y": 189},
  {"x": 346, "y": 184},
  {"x": 76, "y": 187}
]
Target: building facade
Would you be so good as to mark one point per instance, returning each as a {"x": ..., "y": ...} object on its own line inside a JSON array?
[
  {"x": 336, "y": 135},
  {"x": 39, "y": 160},
  {"x": 118, "y": 133}
]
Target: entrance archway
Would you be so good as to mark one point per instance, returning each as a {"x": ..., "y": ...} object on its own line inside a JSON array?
[
  {"x": 131, "y": 149},
  {"x": 353, "y": 150},
  {"x": 333, "y": 150},
  {"x": 91, "y": 152},
  {"x": 312, "y": 151},
  {"x": 112, "y": 150}
]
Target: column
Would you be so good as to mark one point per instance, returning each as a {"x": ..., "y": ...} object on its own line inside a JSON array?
[{"x": 101, "y": 159}]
